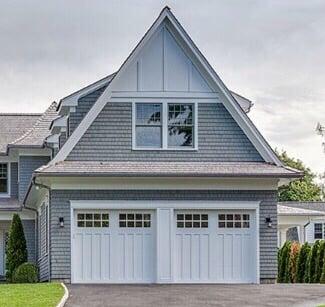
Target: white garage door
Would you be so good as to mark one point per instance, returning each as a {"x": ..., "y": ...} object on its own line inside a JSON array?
[
  {"x": 215, "y": 246},
  {"x": 113, "y": 246}
]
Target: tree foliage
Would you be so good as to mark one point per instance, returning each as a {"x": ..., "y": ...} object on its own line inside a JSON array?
[
  {"x": 311, "y": 270},
  {"x": 320, "y": 260},
  {"x": 16, "y": 252},
  {"x": 294, "y": 253},
  {"x": 283, "y": 263},
  {"x": 304, "y": 189},
  {"x": 302, "y": 262}
]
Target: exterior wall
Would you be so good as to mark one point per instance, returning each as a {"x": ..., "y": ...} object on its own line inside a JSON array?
[
  {"x": 14, "y": 180},
  {"x": 60, "y": 240},
  {"x": 27, "y": 165},
  {"x": 43, "y": 259},
  {"x": 84, "y": 105},
  {"x": 110, "y": 138}
]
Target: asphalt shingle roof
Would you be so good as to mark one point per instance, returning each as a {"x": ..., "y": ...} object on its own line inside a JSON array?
[
  {"x": 13, "y": 126},
  {"x": 309, "y": 205},
  {"x": 36, "y": 135},
  {"x": 285, "y": 210},
  {"x": 190, "y": 169}
]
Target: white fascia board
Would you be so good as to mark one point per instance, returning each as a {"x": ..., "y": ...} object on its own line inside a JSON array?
[
  {"x": 204, "y": 67},
  {"x": 6, "y": 215},
  {"x": 175, "y": 204},
  {"x": 170, "y": 183},
  {"x": 72, "y": 100},
  {"x": 58, "y": 124}
]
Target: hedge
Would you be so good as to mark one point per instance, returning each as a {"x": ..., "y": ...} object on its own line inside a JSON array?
[{"x": 301, "y": 263}]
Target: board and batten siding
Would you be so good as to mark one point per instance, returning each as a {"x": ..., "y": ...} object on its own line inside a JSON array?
[
  {"x": 109, "y": 138},
  {"x": 43, "y": 259},
  {"x": 60, "y": 242},
  {"x": 14, "y": 179},
  {"x": 27, "y": 165}
]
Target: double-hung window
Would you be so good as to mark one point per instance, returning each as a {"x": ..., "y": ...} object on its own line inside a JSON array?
[
  {"x": 319, "y": 231},
  {"x": 3, "y": 178},
  {"x": 164, "y": 126}
]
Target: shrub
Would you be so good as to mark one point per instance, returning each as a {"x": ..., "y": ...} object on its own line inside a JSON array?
[
  {"x": 322, "y": 278},
  {"x": 293, "y": 260},
  {"x": 16, "y": 252},
  {"x": 302, "y": 262},
  {"x": 283, "y": 264},
  {"x": 25, "y": 273},
  {"x": 320, "y": 260},
  {"x": 311, "y": 271}
]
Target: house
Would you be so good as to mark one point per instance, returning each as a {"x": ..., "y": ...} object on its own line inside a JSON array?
[
  {"x": 301, "y": 221},
  {"x": 153, "y": 174}
]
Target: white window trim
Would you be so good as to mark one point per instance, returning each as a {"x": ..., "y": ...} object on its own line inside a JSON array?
[
  {"x": 164, "y": 127},
  {"x": 8, "y": 193},
  {"x": 323, "y": 230}
]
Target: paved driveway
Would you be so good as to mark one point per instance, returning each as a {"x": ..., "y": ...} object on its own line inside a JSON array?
[{"x": 195, "y": 295}]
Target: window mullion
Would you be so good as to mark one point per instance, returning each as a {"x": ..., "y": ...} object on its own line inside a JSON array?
[{"x": 164, "y": 125}]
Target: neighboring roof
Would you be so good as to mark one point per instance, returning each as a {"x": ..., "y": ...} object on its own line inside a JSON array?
[
  {"x": 285, "y": 210},
  {"x": 13, "y": 126},
  {"x": 9, "y": 204},
  {"x": 165, "y": 169},
  {"x": 309, "y": 205},
  {"x": 203, "y": 66},
  {"x": 36, "y": 135}
]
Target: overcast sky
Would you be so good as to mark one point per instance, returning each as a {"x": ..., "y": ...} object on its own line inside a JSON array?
[{"x": 272, "y": 52}]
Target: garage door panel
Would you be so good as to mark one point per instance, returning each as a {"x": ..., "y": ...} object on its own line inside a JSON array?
[
  {"x": 87, "y": 256},
  {"x": 78, "y": 250},
  {"x": 105, "y": 257}
]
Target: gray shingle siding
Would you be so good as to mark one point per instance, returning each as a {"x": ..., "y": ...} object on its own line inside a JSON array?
[
  {"x": 43, "y": 259},
  {"x": 109, "y": 138},
  {"x": 60, "y": 206},
  {"x": 30, "y": 235},
  {"x": 84, "y": 105},
  {"x": 14, "y": 180},
  {"x": 27, "y": 165}
]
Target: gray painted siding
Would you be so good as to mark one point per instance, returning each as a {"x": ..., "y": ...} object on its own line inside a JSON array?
[
  {"x": 43, "y": 260},
  {"x": 60, "y": 206},
  {"x": 84, "y": 105},
  {"x": 14, "y": 180},
  {"x": 27, "y": 165},
  {"x": 110, "y": 138}
]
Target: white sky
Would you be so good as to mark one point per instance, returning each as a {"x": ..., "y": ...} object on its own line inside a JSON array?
[{"x": 272, "y": 52}]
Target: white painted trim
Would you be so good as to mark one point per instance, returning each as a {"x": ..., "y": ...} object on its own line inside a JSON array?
[
  {"x": 8, "y": 193},
  {"x": 64, "y": 297},
  {"x": 154, "y": 204},
  {"x": 24, "y": 214},
  {"x": 203, "y": 67},
  {"x": 34, "y": 152},
  {"x": 168, "y": 95},
  {"x": 168, "y": 183},
  {"x": 164, "y": 126},
  {"x": 258, "y": 254}
]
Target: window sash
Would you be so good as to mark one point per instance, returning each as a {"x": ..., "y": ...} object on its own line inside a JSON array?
[
  {"x": 186, "y": 129},
  {"x": 319, "y": 231},
  {"x": 4, "y": 178}
]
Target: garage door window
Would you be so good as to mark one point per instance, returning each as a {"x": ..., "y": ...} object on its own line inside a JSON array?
[
  {"x": 92, "y": 220},
  {"x": 233, "y": 220},
  {"x": 137, "y": 220},
  {"x": 192, "y": 221}
]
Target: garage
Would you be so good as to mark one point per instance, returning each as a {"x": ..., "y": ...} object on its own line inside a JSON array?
[
  {"x": 215, "y": 246},
  {"x": 110, "y": 246},
  {"x": 164, "y": 245}
]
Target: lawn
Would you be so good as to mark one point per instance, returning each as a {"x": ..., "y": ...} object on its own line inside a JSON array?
[{"x": 30, "y": 295}]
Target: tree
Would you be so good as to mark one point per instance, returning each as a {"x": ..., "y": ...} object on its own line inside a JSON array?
[
  {"x": 304, "y": 189},
  {"x": 302, "y": 262},
  {"x": 294, "y": 253},
  {"x": 322, "y": 278},
  {"x": 16, "y": 252},
  {"x": 320, "y": 260},
  {"x": 283, "y": 263},
  {"x": 311, "y": 271}
]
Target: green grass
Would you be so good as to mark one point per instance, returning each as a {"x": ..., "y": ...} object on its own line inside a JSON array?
[{"x": 30, "y": 295}]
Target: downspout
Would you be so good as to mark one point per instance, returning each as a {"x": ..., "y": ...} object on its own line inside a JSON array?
[{"x": 42, "y": 186}]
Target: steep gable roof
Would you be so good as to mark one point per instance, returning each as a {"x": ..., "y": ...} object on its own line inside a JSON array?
[
  {"x": 13, "y": 126},
  {"x": 204, "y": 68},
  {"x": 36, "y": 135}
]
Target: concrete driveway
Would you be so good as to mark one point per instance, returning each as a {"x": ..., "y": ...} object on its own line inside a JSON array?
[{"x": 196, "y": 295}]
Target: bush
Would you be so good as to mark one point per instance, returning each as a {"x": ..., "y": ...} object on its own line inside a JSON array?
[
  {"x": 302, "y": 262},
  {"x": 16, "y": 252},
  {"x": 311, "y": 271},
  {"x": 25, "y": 273},
  {"x": 322, "y": 278},
  {"x": 320, "y": 260},
  {"x": 293, "y": 260},
  {"x": 283, "y": 263}
]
